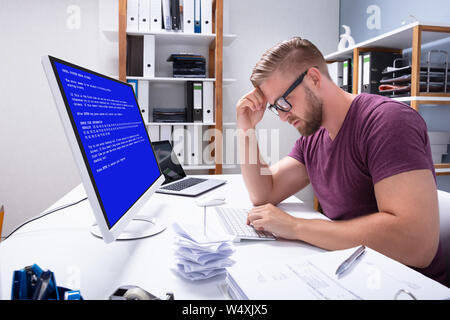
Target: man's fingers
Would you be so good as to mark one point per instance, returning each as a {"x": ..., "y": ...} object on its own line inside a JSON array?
[{"x": 252, "y": 216}]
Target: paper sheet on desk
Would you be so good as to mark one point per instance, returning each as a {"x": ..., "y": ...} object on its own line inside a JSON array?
[{"x": 374, "y": 276}]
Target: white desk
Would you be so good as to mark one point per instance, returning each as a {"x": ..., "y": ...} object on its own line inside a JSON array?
[{"x": 62, "y": 242}]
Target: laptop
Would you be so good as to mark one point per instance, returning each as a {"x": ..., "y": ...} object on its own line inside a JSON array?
[{"x": 176, "y": 181}]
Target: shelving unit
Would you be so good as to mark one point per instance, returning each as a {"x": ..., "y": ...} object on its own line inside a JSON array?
[
  {"x": 410, "y": 36},
  {"x": 214, "y": 42}
]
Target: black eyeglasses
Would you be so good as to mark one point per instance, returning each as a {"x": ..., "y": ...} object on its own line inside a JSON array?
[{"x": 281, "y": 104}]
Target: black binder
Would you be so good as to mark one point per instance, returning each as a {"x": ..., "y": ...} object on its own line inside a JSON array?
[
  {"x": 189, "y": 101},
  {"x": 175, "y": 14},
  {"x": 135, "y": 56}
]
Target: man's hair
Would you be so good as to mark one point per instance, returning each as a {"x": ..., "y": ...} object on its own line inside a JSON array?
[{"x": 293, "y": 55}]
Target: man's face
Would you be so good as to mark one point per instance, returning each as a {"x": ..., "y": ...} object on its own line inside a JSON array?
[{"x": 306, "y": 112}]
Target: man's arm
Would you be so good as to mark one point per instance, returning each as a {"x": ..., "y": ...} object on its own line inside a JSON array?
[
  {"x": 406, "y": 228},
  {"x": 264, "y": 184}
]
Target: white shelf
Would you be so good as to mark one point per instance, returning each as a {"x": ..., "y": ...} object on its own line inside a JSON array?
[
  {"x": 166, "y": 37},
  {"x": 441, "y": 171},
  {"x": 170, "y": 79},
  {"x": 423, "y": 98},
  {"x": 400, "y": 38}
]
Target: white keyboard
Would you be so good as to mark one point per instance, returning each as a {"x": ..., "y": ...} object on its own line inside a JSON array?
[{"x": 234, "y": 220}]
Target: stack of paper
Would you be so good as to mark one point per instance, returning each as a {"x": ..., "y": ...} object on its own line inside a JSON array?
[{"x": 201, "y": 256}]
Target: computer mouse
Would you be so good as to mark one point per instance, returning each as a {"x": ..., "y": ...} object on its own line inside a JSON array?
[{"x": 209, "y": 201}]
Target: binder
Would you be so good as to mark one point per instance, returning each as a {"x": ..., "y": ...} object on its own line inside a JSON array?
[
  {"x": 167, "y": 20},
  {"x": 144, "y": 16},
  {"x": 188, "y": 16},
  {"x": 360, "y": 73},
  {"x": 135, "y": 52},
  {"x": 155, "y": 15},
  {"x": 149, "y": 55},
  {"x": 178, "y": 142},
  {"x": 143, "y": 99},
  {"x": 175, "y": 14},
  {"x": 366, "y": 70},
  {"x": 208, "y": 147},
  {"x": 208, "y": 102},
  {"x": 197, "y": 17},
  {"x": 206, "y": 16},
  {"x": 165, "y": 132},
  {"x": 193, "y": 144},
  {"x": 153, "y": 132},
  {"x": 133, "y": 15},
  {"x": 197, "y": 101},
  {"x": 134, "y": 84},
  {"x": 189, "y": 101}
]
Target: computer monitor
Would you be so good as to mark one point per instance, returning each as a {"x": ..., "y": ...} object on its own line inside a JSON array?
[{"x": 111, "y": 146}]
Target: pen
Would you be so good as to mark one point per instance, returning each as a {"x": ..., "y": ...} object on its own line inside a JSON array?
[{"x": 350, "y": 260}]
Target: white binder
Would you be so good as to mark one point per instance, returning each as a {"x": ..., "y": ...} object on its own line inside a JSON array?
[
  {"x": 144, "y": 15},
  {"x": 153, "y": 132},
  {"x": 133, "y": 15},
  {"x": 149, "y": 55},
  {"x": 178, "y": 142},
  {"x": 143, "y": 98},
  {"x": 208, "y": 102},
  {"x": 360, "y": 74},
  {"x": 206, "y": 13},
  {"x": 165, "y": 132},
  {"x": 193, "y": 144},
  {"x": 167, "y": 19},
  {"x": 155, "y": 15},
  {"x": 188, "y": 16}
]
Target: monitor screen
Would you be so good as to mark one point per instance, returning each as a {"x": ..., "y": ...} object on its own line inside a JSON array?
[{"x": 111, "y": 135}]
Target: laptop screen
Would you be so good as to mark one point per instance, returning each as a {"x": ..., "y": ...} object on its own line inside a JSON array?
[{"x": 168, "y": 161}]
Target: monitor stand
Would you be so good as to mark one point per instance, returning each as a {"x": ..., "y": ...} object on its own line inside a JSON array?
[{"x": 138, "y": 228}]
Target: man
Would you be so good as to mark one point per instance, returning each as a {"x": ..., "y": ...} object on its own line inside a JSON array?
[{"x": 367, "y": 157}]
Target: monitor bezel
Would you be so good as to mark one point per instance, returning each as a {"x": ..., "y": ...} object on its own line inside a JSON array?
[{"x": 109, "y": 232}]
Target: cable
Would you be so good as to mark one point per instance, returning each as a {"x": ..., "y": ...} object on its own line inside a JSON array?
[{"x": 43, "y": 215}]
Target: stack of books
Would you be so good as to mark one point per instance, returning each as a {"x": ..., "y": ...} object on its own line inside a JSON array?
[{"x": 169, "y": 115}]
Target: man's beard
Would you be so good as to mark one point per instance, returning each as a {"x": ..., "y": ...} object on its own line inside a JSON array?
[{"x": 313, "y": 119}]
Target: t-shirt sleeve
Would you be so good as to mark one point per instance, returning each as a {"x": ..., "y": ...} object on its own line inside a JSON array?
[
  {"x": 297, "y": 151},
  {"x": 395, "y": 141}
]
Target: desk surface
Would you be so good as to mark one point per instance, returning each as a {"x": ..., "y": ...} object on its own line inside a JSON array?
[{"x": 62, "y": 242}]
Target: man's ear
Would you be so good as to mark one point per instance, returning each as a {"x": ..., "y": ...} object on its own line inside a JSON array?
[{"x": 315, "y": 76}]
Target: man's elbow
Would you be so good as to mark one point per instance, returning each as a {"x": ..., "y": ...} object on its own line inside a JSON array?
[{"x": 425, "y": 252}]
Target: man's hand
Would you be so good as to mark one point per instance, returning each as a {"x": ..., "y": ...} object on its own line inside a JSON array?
[
  {"x": 272, "y": 219},
  {"x": 250, "y": 109}
]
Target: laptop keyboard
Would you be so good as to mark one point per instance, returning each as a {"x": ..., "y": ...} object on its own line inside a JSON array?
[
  {"x": 183, "y": 184},
  {"x": 234, "y": 220}
]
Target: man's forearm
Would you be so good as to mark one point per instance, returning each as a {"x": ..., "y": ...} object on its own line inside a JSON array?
[
  {"x": 254, "y": 171},
  {"x": 380, "y": 231}
]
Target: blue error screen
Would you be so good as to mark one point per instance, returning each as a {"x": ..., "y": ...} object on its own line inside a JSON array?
[{"x": 113, "y": 138}]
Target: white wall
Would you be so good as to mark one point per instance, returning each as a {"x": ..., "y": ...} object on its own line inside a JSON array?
[{"x": 36, "y": 165}]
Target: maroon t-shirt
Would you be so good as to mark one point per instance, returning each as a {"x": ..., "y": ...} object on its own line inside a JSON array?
[{"x": 379, "y": 138}]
